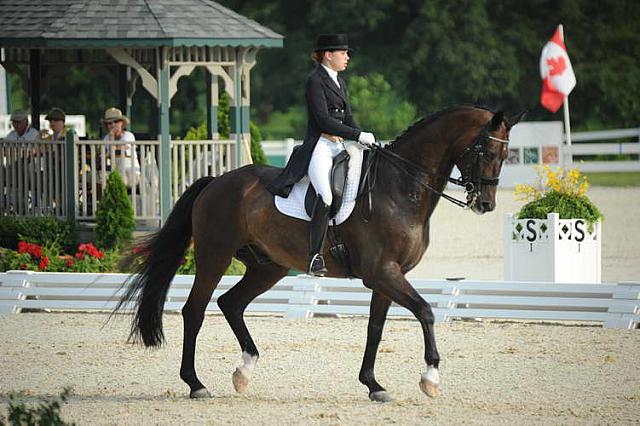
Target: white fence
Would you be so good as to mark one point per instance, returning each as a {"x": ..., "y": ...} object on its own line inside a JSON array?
[
  {"x": 613, "y": 305},
  {"x": 32, "y": 178}
]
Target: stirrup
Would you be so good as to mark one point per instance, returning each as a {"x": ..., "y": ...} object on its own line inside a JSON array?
[{"x": 316, "y": 266}]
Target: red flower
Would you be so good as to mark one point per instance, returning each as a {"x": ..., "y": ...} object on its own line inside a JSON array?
[
  {"x": 22, "y": 247},
  {"x": 80, "y": 255},
  {"x": 69, "y": 263},
  {"x": 23, "y": 266},
  {"x": 44, "y": 262},
  {"x": 33, "y": 249},
  {"x": 90, "y": 250}
]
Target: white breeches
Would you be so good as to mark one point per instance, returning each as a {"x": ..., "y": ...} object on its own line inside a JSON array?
[{"x": 321, "y": 161}]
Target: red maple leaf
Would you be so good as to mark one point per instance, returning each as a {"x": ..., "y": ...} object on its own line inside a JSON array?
[{"x": 556, "y": 65}]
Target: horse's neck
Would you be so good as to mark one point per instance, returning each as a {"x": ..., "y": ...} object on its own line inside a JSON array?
[{"x": 419, "y": 191}]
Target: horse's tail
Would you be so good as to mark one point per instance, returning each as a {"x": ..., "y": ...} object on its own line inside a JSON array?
[{"x": 158, "y": 259}]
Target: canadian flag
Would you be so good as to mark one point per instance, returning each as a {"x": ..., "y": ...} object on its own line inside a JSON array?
[{"x": 558, "y": 79}]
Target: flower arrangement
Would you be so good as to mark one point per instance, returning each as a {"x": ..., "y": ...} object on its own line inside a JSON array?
[
  {"x": 31, "y": 256},
  {"x": 559, "y": 191}
]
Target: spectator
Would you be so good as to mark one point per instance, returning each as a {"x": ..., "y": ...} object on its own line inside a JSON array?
[
  {"x": 56, "y": 118},
  {"x": 126, "y": 158},
  {"x": 22, "y": 129}
]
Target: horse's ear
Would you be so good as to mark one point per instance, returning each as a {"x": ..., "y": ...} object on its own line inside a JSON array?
[
  {"x": 496, "y": 121},
  {"x": 512, "y": 121}
]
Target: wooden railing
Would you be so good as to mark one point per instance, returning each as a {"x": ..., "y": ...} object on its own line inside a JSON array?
[
  {"x": 33, "y": 177},
  {"x": 33, "y": 181}
]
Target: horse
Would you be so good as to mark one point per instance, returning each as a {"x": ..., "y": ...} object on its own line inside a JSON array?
[{"x": 226, "y": 215}]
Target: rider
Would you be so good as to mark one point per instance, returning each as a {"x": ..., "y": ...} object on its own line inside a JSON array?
[{"x": 329, "y": 123}]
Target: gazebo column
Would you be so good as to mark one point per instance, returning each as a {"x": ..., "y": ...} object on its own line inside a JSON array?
[
  {"x": 212, "y": 105},
  {"x": 240, "y": 109},
  {"x": 164, "y": 99}
]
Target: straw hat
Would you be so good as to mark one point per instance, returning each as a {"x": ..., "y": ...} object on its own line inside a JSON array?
[
  {"x": 114, "y": 114},
  {"x": 56, "y": 114},
  {"x": 19, "y": 116}
]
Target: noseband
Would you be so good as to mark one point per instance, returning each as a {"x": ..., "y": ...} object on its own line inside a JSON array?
[
  {"x": 471, "y": 178},
  {"x": 471, "y": 175}
]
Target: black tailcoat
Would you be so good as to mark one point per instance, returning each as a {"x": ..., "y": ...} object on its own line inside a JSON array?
[{"x": 328, "y": 112}]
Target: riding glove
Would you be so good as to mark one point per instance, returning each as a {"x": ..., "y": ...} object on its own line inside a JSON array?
[{"x": 367, "y": 139}]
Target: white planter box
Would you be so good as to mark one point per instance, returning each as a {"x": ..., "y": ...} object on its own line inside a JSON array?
[{"x": 551, "y": 249}]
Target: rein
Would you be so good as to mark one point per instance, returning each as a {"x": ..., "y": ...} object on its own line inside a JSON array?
[{"x": 467, "y": 182}]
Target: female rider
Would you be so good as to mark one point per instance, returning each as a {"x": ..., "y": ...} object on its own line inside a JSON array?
[{"x": 329, "y": 123}]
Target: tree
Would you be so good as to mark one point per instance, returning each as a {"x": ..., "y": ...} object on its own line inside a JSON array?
[
  {"x": 378, "y": 108},
  {"x": 114, "y": 217}
]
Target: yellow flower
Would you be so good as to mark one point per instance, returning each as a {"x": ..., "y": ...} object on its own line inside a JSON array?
[{"x": 561, "y": 180}]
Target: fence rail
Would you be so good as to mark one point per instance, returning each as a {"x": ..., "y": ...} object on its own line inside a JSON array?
[
  {"x": 33, "y": 177},
  {"x": 612, "y": 305}
]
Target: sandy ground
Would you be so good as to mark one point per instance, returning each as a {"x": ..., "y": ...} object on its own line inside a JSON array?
[
  {"x": 464, "y": 244},
  {"x": 492, "y": 372}
]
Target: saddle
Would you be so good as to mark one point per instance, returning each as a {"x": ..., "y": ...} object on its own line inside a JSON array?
[{"x": 339, "y": 171}]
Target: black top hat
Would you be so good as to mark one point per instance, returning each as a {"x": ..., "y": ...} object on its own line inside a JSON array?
[{"x": 331, "y": 42}]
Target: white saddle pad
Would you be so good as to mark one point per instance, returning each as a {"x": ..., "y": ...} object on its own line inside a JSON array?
[{"x": 293, "y": 205}]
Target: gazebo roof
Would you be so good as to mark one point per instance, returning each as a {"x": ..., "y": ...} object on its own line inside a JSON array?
[{"x": 128, "y": 23}]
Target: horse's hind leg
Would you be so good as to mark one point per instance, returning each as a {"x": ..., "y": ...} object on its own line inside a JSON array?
[
  {"x": 377, "y": 316},
  {"x": 257, "y": 280},
  {"x": 208, "y": 273}
]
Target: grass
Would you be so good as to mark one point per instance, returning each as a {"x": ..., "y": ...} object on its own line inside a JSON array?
[{"x": 613, "y": 178}]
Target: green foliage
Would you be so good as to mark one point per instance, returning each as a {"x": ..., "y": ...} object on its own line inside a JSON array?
[
  {"x": 39, "y": 230},
  {"x": 114, "y": 217},
  {"x": 568, "y": 206},
  {"x": 378, "y": 108},
  {"x": 257, "y": 153},
  {"x": 288, "y": 124},
  {"x": 188, "y": 266},
  {"x": 614, "y": 178},
  {"x": 45, "y": 413},
  {"x": 50, "y": 258}
]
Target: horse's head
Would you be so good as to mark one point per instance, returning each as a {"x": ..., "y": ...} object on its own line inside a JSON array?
[{"x": 480, "y": 162}]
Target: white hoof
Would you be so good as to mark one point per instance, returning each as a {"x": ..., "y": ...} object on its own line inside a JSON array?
[
  {"x": 200, "y": 394},
  {"x": 428, "y": 387},
  {"x": 380, "y": 396},
  {"x": 240, "y": 379}
]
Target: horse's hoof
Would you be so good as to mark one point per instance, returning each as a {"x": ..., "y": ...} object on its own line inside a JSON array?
[
  {"x": 380, "y": 396},
  {"x": 200, "y": 394},
  {"x": 429, "y": 388},
  {"x": 240, "y": 380}
]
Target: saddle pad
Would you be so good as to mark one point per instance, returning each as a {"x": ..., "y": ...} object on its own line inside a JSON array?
[{"x": 293, "y": 205}]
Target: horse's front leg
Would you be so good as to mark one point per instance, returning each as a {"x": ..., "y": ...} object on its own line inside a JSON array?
[
  {"x": 377, "y": 316},
  {"x": 390, "y": 282}
]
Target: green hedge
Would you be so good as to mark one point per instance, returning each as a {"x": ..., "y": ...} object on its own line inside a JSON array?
[{"x": 40, "y": 230}]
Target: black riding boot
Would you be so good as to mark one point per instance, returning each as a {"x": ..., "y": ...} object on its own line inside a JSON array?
[{"x": 317, "y": 233}]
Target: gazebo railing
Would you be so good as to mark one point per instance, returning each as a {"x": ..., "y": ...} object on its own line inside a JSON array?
[
  {"x": 33, "y": 181},
  {"x": 33, "y": 178}
]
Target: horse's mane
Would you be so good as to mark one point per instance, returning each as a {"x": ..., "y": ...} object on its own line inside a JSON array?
[{"x": 433, "y": 117}]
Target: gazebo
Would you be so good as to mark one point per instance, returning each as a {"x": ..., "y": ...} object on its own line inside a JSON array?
[{"x": 155, "y": 41}]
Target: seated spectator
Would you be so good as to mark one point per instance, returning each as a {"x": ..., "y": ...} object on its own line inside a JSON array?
[
  {"x": 126, "y": 158},
  {"x": 58, "y": 132},
  {"x": 22, "y": 129}
]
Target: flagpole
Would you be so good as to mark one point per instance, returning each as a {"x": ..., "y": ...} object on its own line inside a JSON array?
[{"x": 565, "y": 109}]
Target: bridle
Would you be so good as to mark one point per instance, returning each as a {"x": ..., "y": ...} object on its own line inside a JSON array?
[{"x": 471, "y": 178}]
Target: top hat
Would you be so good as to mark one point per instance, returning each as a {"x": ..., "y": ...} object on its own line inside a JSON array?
[
  {"x": 56, "y": 114},
  {"x": 329, "y": 42},
  {"x": 19, "y": 116},
  {"x": 114, "y": 114}
]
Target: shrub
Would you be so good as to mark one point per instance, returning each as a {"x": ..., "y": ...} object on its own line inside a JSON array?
[
  {"x": 45, "y": 413},
  {"x": 188, "y": 266},
  {"x": 114, "y": 217},
  {"x": 557, "y": 191},
  {"x": 38, "y": 230}
]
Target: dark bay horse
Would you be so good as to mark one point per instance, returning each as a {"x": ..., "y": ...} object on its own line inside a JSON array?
[{"x": 225, "y": 214}]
